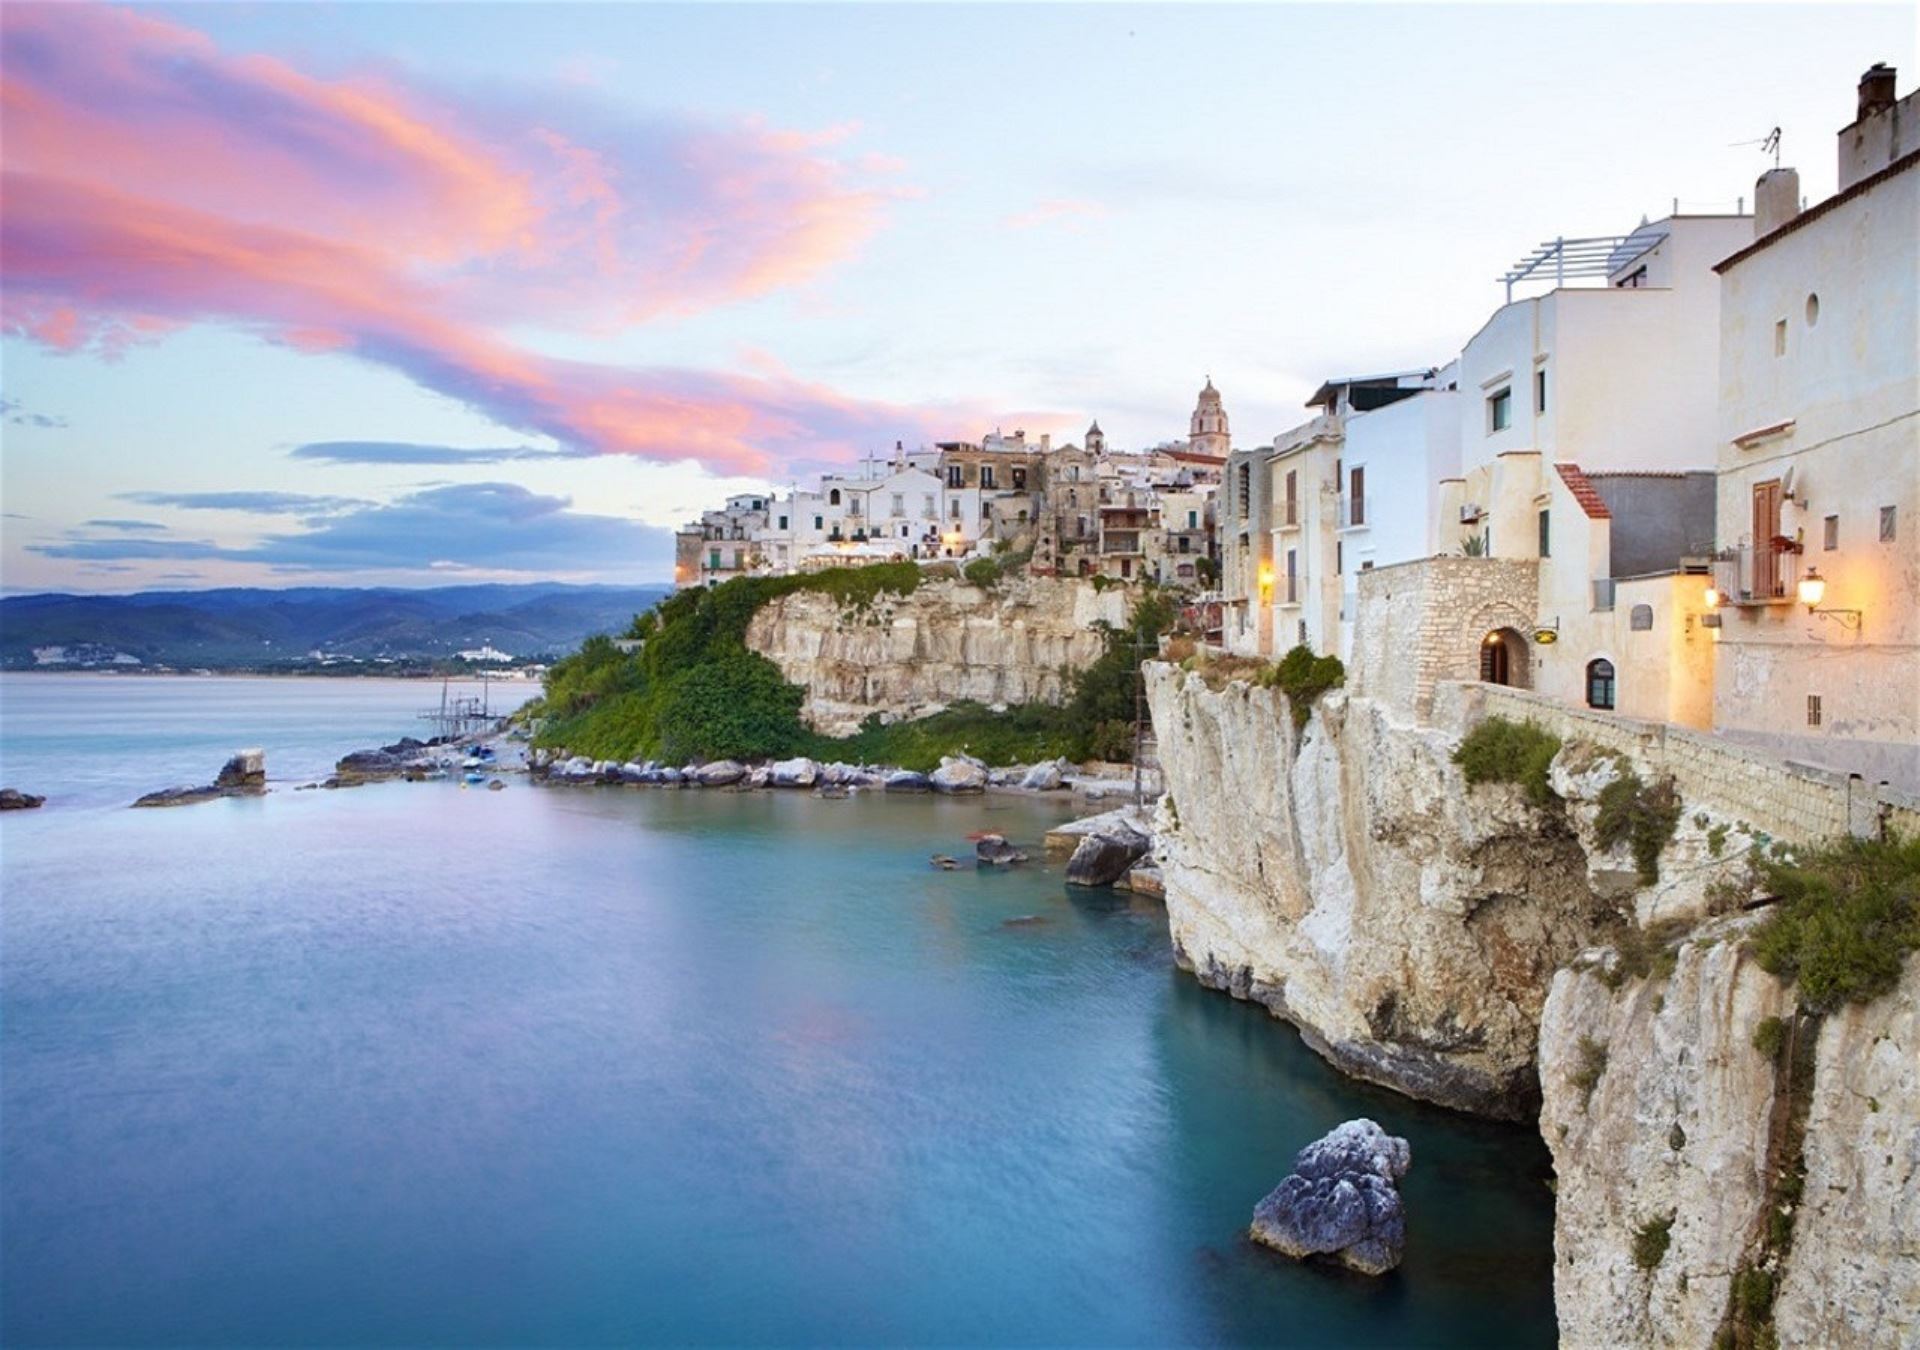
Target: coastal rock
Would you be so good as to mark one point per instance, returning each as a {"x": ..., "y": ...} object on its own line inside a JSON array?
[
  {"x": 994, "y": 849},
  {"x": 671, "y": 777},
  {"x": 1102, "y": 859},
  {"x": 793, "y": 773},
  {"x": 1657, "y": 1109},
  {"x": 907, "y": 656},
  {"x": 721, "y": 773},
  {"x": 369, "y": 766},
  {"x": 906, "y": 780},
  {"x": 957, "y": 774},
  {"x": 244, "y": 775},
  {"x": 14, "y": 800},
  {"x": 759, "y": 776},
  {"x": 246, "y": 771},
  {"x": 1043, "y": 777},
  {"x": 1143, "y": 878},
  {"x": 1350, "y": 881},
  {"x": 1341, "y": 1201}
]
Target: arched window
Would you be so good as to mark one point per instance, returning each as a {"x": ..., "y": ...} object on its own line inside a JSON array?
[
  {"x": 833, "y": 497},
  {"x": 1600, "y": 683},
  {"x": 1640, "y": 620}
]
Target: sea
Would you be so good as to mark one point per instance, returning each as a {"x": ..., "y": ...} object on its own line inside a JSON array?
[{"x": 414, "y": 1064}]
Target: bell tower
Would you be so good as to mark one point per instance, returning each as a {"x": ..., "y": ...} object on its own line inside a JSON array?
[{"x": 1207, "y": 430}]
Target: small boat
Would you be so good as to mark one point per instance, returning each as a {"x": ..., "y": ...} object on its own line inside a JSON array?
[
  {"x": 474, "y": 778},
  {"x": 470, "y": 762}
]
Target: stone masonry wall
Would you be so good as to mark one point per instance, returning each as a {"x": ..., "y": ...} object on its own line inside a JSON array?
[{"x": 1419, "y": 623}]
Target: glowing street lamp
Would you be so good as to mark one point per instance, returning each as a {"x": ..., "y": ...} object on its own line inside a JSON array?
[{"x": 1813, "y": 589}]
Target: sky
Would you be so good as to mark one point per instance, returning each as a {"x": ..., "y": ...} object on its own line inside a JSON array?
[{"x": 304, "y": 294}]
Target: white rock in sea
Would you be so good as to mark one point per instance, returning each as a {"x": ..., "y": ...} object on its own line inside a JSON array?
[
  {"x": 958, "y": 775},
  {"x": 793, "y": 773}
]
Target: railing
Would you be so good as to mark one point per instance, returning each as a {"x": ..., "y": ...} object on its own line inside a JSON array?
[{"x": 1767, "y": 573}]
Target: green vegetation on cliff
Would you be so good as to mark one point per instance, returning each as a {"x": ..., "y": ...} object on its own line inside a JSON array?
[
  {"x": 1849, "y": 912},
  {"x": 694, "y": 690},
  {"x": 1501, "y": 750}
]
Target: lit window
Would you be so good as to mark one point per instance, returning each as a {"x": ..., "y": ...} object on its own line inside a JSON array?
[
  {"x": 1600, "y": 684},
  {"x": 1831, "y": 538},
  {"x": 1500, "y": 411}
]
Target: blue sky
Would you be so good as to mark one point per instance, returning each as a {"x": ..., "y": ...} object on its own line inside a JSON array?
[{"x": 835, "y": 227}]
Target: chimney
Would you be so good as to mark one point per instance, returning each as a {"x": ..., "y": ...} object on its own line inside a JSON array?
[
  {"x": 1876, "y": 90},
  {"x": 1046, "y": 441},
  {"x": 1776, "y": 200}
]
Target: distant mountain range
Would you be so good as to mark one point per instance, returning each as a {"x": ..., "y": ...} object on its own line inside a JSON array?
[{"x": 257, "y": 628}]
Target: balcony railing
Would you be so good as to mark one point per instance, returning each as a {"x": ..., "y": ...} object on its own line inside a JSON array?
[{"x": 1766, "y": 573}]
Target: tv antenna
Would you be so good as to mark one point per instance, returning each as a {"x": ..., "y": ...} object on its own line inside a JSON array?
[{"x": 1769, "y": 144}]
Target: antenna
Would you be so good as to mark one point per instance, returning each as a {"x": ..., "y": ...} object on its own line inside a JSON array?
[{"x": 1769, "y": 144}]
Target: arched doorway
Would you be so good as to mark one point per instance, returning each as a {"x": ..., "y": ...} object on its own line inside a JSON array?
[{"x": 1503, "y": 658}]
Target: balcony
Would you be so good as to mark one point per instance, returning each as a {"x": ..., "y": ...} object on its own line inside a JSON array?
[
  {"x": 1766, "y": 573},
  {"x": 1116, "y": 544}
]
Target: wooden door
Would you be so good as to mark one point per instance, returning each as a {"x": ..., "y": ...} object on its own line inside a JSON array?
[{"x": 1766, "y": 525}]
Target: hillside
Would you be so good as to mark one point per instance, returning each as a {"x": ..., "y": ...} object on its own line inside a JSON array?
[{"x": 255, "y": 628}]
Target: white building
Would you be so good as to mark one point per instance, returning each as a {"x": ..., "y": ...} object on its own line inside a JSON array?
[{"x": 1819, "y": 460}]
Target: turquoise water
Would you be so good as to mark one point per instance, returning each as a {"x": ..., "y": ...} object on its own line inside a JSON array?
[{"x": 410, "y": 1064}]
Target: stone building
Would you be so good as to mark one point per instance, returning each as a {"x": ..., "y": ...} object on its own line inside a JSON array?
[
  {"x": 1818, "y": 571},
  {"x": 1207, "y": 428}
]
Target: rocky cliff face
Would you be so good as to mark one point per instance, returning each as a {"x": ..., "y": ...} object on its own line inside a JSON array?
[
  {"x": 912, "y": 655},
  {"x": 1348, "y": 879},
  {"x": 1660, "y": 1111}
]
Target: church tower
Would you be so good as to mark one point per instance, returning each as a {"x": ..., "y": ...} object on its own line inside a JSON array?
[
  {"x": 1207, "y": 432},
  {"x": 1096, "y": 439}
]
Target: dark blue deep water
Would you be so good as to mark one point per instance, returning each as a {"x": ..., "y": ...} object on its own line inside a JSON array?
[{"x": 411, "y": 1064}]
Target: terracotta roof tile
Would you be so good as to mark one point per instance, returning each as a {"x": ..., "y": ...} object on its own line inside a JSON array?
[{"x": 1583, "y": 492}]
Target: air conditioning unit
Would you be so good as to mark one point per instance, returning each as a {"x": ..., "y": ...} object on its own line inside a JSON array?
[{"x": 1469, "y": 513}]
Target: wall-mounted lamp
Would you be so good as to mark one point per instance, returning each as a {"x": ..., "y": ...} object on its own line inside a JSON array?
[
  {"x": 1813, "y": 589},
  {"x": 1712, "y": 598},
  {"x": 1266, "y": 578}
]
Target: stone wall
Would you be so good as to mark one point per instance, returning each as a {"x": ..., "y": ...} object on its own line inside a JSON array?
[
  {"x": 908, "y": 656},
  {"x": 1801, "y": 802},
  {"x": 1419, "y": 623}
]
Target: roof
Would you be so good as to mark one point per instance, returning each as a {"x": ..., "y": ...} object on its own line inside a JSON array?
[
  {"x": 1327, "y": 386},
  {"x": 1807, "y": 217},
  {"x": 1583, "y": 492},
  {"x": 1197, "y": 457}
]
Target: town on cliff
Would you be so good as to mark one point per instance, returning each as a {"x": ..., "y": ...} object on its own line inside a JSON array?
[{"x": 1538, "y": 731}]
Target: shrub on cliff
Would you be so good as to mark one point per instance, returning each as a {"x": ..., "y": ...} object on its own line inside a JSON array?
[
  {"x": 1303, "y": 677},
  {"x": 1501, "y": 750},
  {"x": 1848, "y": 914},
  {"x": 982, "y": 572},
  {"x": 1643, "y": 816}
]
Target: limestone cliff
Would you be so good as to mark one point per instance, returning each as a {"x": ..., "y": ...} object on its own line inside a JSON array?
[
  {"x": 912, "y": 655},
  {"x": 1661, "y": 1112},
  {"x": 1349, "y": 880}
]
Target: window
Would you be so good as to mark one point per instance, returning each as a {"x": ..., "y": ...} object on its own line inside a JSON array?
[
  {"x": 1500, "y": 411},
  {"x": 955, "y": 505},
  {"x": 1888, "y": 524},
  {"x": 1546, "y": 534},
  {"x": 1293, "y": 495},
  {"x": 818, "y": 523},
  {"x": 1293, "y": 579},
  {"x": 1600, "y": 683},
  {"x": 1640, "y": 618},
  {"x": 1244, "y": 488},
  {"x": 783, "y": 522},
  {"x": 833, "y": 498},
  {"x": 899, "y": 504},
  {"x": 1780, "y": 338},
  {"x": 853, "y": 506},
  {"x": 1813, "y": 309},
  {"x": 926, "y": 506},
  {"x": 1357, "y": 496},
  {"x": 1830, "y": 537},
  {"x": 1193, "y": 520},
  {"x": 1540, "y": 390},
  {"x": 713, "y": 560},
  {"x": 1813, "y": 710},
  {"x": 1339, "y": 557},
  {"x": 956, "y": 474},
  {"x": 986, "y": 475},
  {"x": 1186, "y": 544},
  {"x": 1019, "y": 479}
]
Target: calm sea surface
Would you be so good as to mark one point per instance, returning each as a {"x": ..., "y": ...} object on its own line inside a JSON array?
[{"x": 414, "y": 1064}]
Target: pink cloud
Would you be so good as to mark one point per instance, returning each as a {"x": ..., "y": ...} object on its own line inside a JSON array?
[{"x": 152, "y": 180}]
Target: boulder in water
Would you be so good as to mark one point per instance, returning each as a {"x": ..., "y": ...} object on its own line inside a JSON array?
[
  {"x": 793, "y": 773},
  {"x": 1341, "y": 1200},
  {"x": 721, "y": 773},
  {"x": 1043, "y": 777},
  {"x": 994, "y": 849},
  {"x": 13, "y": 800},
  {"x": 1102, "y": 859},
  {"x": 246, "y": 771},
  {"x": 958, "y": 775},
  {"x": 906, "y": 780}
]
